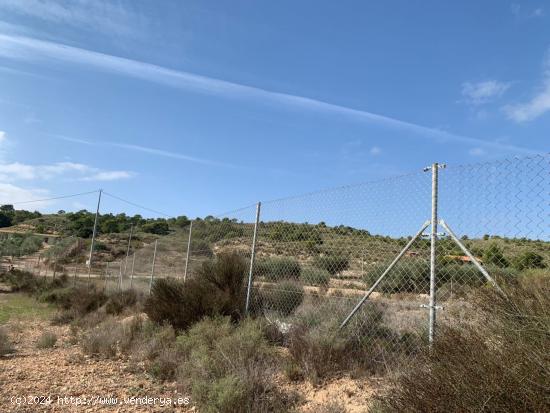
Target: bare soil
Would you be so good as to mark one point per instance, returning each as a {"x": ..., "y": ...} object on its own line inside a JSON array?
[
  {"x": 47, "y": 376},
  {"x": 63, "y": 371}
]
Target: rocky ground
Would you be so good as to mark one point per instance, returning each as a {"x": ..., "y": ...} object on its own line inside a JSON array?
[
  {"x": 33, "y": 379},
  {"x": 48, "y": 376}
]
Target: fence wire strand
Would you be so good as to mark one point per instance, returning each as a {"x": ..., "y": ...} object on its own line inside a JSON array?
[{"x": 318, "y": 254}]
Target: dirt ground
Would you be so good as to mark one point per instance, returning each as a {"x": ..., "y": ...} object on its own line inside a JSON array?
[{"x": 36, "y": 380}]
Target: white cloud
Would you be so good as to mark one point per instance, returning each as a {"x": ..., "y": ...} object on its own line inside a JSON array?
[
  {"x": 476, "y": 152},
  {"x": 538, "y": 105},
  {"x": 31, "y": 49},
  {"x": 2, "y": 136},
  {"x": 98, "y": 15},
  {"x": 483, "y": 92},
  {"x": 375, "y": 150},
  {"x": 108, "y": 176},
  {"x": 17, "y": 171},
  {"x": 10, "y": 194},
  {"x": 529, "y": 13}
]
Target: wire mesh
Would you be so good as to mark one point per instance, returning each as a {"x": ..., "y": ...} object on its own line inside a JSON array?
[
  {"x": 231, "y": 232},
  {"x": 317, "y": 255}
]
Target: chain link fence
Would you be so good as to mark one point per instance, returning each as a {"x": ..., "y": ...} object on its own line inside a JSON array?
[{"x": 354, "y": 262}]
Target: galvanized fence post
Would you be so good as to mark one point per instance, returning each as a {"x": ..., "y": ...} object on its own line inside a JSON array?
[
  {"x": 252, "y": 257},
  {"x": 55, "y": 265},
  {"x": 132, "y": 271},
  {"x": 153, "y": 267},
  {"x": 188, "y": 251},
  {"x": 93, "y": 237},
  {"x": 128, "y": 249},
  {"x": 106, "y": 275},
  {"x": 433, "y": 252},
  {"x": 120, "y": 276}
]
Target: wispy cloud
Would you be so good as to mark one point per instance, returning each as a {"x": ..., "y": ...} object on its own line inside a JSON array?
[
  {"x": 2, "y": 136},
  {"x": 375, "y": 150},
  {"x": 100, "y": 15},
  {"x": 108, "y": 176},
  {"x": 483, "y": 92},
  {"x": 526, "y": 13},
  {"x": 146, "y": 149},
  {"x": 31, "y": 49},
  {"x": 16, "y": 171},
  {"x": 539, "y": 103}
]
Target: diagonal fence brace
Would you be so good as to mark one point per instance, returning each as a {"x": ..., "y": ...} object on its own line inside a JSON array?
[
  {"x": 470, "y": 255},
  {"x": 373, "y": 287}
]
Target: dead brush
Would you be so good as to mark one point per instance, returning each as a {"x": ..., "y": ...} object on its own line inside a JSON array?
[{"x": 499, "y": 364}]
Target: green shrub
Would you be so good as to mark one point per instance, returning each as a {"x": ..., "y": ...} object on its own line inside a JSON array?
[
  {"x": 102, "y": 340},
  {"x": 494, "y": 366},
  {"x": 5, "y": 345},
  {"x": 177, "y": 304},
  {"x": 278, "y": 268},
  {"x": 412, "y": 275},
  {"x": 493, "y": 256},
  {"x": 315, "y": 276},
  {"x": 334, "y": 264},
  {"x": 31, "y": 244},
  {"x": 321, "y": 349},
  {"x": 230, "y": 369},
  {"x": 75, "y": 302},
  {"x": 201, "y": 247},
  {"x": 46, "y": 340},
  {"x": 156, "y": 346},
  {"x": 226, "y": 276},
  {"x": 119, "y": 301},
  {"x": 23, "y": 281},
  {"x": 164, "y": 366},
  {"x": 282, "y": 298},
  {"x": 156, "y": 227},
  {"x": 100, "y": 246},
  {"x": 528, "y": 260},
  {"x": 218, "y": 289}
]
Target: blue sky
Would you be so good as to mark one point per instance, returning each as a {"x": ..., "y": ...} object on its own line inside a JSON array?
[{"x": 194, "y": 107}]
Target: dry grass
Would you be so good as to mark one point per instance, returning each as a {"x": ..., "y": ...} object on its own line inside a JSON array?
[
  {"x": 46, "y": 340},
  {"x": 501, "y": 363},
  {"x": 5, "y": 344}
]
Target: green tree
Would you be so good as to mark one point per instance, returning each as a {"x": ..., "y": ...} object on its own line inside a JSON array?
[
  {"x": 5, "y": 220},
  {"x": 157, "y": 227},
  {"x": 528, "y": 259},
  {"x": 493, "y": 255},
  {"x": 182, "y": 221}
]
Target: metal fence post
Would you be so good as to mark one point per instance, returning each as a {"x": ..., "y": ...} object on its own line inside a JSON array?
[
  {"x": 106, "y": 274},
  {"x": 153, "y": 267},
  {"x": 120, "y": 276},
  {"x": 132, "y": 271},
  {"x": 54, "y": 265},
  {"x": 188, "y": 251},
  {"x": 93, "y": 237},
  {"x": 128, "y": 249},
  {"x": 433, "y": 241},
  {"x": 252, "y": 257}
]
